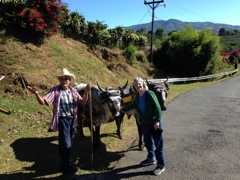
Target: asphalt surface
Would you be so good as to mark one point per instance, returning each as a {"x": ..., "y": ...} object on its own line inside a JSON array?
[{"x": 201, "y": 138}]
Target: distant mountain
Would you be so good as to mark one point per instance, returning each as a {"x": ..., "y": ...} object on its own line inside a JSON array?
[{"x": 174, "y": 24}]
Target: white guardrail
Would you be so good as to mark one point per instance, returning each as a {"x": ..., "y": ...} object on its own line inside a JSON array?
[{"x": 196, "y": 78}]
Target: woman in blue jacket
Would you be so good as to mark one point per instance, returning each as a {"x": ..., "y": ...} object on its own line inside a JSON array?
[{"x": 150, "y": 113}]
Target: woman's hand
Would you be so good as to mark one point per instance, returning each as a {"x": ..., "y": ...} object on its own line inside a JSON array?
[{"x": 156, "y": 125}]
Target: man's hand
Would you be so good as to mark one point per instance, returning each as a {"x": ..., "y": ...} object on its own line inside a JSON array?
[
  {"x": 32, "y": 90},
  {"x": 87, "y": 88},
  {"x": 35, "y": 92}
]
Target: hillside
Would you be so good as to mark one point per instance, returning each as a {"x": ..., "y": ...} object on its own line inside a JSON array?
[
  {"x": 39, "y": 65},
  {"x": 174, "y": 24}
]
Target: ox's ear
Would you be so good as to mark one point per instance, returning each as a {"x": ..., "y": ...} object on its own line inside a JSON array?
[
  {"x": 167, "y": 84},
  {"x": 100, "y": 88}
]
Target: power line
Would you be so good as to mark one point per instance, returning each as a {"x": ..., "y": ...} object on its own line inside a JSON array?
[
  {"x": 148, "y": 11},
  {"x": 143, "y": 17},
  {"x": 193, "y": 13}
]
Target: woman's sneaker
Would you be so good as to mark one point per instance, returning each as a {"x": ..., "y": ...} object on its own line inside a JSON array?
[
  {"x": 147, "y": 162},
  {"x": 158, "y": 171}
]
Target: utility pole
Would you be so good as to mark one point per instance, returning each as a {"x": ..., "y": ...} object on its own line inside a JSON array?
[{"x": 153, "y": 5}]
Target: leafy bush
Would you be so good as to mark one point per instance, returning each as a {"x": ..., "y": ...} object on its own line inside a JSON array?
[
  {"x": 74, "y": 26},
  {"x": 140, "y": 56},
  {"x": 188, "y": 52},
  {"x": 130, "y": 53},
  {"x": 35, "y": 17},
  {"x": 42, "y": 16}
]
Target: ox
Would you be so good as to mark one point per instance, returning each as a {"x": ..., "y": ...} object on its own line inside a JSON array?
[
  {"x": 119, "y": 120},
  {"x": 161, "y": 91},
  {"x": 105, "y": 106}
]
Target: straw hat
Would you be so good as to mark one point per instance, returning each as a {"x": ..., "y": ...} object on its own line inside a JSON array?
[{"x": 65, "y": 72}]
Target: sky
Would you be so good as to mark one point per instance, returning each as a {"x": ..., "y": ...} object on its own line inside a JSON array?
[{"x": 125, "y": 13}]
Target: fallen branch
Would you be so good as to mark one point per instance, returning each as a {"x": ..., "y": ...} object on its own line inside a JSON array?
[{"x": 5, "y": 111}]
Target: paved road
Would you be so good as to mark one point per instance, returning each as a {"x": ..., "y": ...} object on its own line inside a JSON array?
[{"x": 202, "y": 138}]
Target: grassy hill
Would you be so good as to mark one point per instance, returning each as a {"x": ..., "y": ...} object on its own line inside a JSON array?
[{"x": 36, "y": 63}]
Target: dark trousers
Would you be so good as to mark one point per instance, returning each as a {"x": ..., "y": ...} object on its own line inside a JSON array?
[
  {"x": 154, "y": 144},
  {"x": 65, "y": 143}
]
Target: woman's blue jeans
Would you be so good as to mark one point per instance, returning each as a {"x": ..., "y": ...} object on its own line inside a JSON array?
[
  {"x": 154, "y": 144},
  {"x": 65, "y": 143}
]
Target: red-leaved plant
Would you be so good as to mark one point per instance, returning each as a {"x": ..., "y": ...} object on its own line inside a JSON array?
[{"x": 42, "y": 15}]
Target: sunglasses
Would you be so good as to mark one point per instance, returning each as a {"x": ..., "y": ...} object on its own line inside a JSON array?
[{"x": 64, "y": 78}]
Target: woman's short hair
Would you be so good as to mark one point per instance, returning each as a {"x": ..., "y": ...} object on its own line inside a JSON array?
[{"x": 139, "y": 79}]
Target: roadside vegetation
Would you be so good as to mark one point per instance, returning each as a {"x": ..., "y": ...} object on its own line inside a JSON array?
[{"x": 33, "y": 50}]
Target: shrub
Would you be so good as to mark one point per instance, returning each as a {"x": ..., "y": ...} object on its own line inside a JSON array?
[
  {"x": 188, "y": 52},
  {"x": 140, "y": 56},
  {"x": 130, "y": 53},
  {"x": 42, "y": 16}
]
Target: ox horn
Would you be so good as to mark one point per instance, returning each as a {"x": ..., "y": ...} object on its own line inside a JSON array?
[
  {"x": 100, "y": 88},
  {"x": 147, "y": 82},
  {"x": 125, "y": 85},
  {"x": 167, "y": 79}
]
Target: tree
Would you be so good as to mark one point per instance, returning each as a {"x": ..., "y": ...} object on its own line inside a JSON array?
[
  {"x": 141, "y": 31},
  {"x": 105, "y": 37},
  {"x": 116, "y": 36},
  {"x": 9, "y": 13},
  {"x": 130, "y": 37},
  {"x": 159, "y": 33},
  {"x": 188, "y": 52},
  {"x": 74, "y": 26},
  {"x": 94, "y": 31},
  {"x": 142, "y": 41},
  {"x": 222, "y": 32}
]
